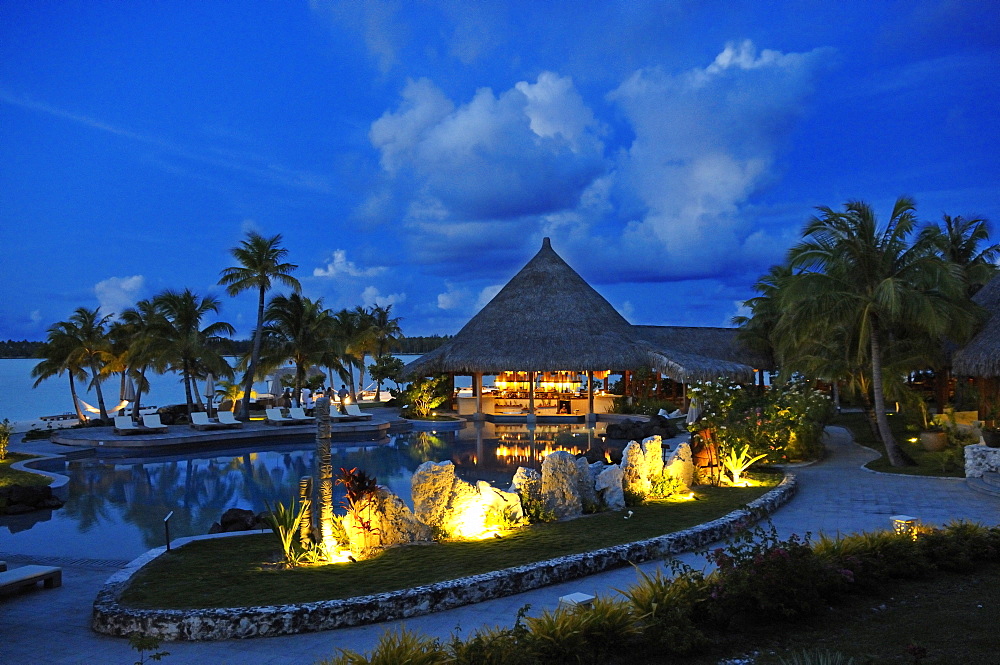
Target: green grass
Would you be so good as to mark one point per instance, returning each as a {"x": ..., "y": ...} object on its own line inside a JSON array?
[
  {"x": 232, "y": 572},
  {"x": 9, "y": 476},
  {"x": 952, "y": 615},
  {"x": 927, "y": 463}
]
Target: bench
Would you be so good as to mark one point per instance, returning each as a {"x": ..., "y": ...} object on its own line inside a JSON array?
[{"x": 30, "y": 575}]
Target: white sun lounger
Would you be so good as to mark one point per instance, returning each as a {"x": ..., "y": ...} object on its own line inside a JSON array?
[
  {"x": 354, "y": 411},
  {"x": 229, "y": 420},
  {"x": 201, "y": 421},
  {"x": 274, "y": 417},
  {"x": 152, "y": 422},
  {"x": 124, "y": 425},
  {"x": 299, "y": 414}
]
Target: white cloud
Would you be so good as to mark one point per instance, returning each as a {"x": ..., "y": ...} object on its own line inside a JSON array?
[
  {"x": 35, "y": 316},
  {"x": 487, "y": 294},
  {"x": 627, "y": 309},
  {"x": 531, "y": 150},
  {"x": 371, "y": 298},
  {"x": 339, "y": 265},
  {"x": 452, "y": 298},
  {"x": 250, "y": 226},
  {"x": 117, "y": 293}
]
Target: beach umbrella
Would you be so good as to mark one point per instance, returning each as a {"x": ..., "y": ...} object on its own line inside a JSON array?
[
  {"x": 274, "y": 387},
  {"x": 209, "y": 391},
  {"x": 129, "y": 391}
]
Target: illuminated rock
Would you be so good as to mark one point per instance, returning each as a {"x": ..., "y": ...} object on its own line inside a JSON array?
[
  {"x": 527, "y": 483},
  {"x": 680, "y": 464},
  {"x": 380, "y": 521},
  {"x": 559, "y": 485},
  {"x": 634, "y": 478},
  {"x": 585, "y": 484},
  {"x": 652, "y": 449},
  {"x": 432, "y": 487},
  {"x": 609, "y": 487}
]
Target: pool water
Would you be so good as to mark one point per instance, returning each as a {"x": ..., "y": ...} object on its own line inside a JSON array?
[{"x": 116, "y": 505}]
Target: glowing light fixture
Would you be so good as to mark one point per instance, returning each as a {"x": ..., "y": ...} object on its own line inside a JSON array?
[{"x": 905, "y": 525}]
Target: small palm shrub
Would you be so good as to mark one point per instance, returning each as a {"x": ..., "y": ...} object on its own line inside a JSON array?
[
  {"x": 396, "y": 648},
  {"x": 816, "y": 657},
  {"x": 581, "y": 634},
  {"x": 665, "y": 609},
  {"x": 284, "y": 522}
]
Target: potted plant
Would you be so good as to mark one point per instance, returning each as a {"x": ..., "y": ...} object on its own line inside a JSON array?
[{"x": 933, "y": 438}]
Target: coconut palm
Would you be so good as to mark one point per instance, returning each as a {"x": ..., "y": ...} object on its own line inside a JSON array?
[
  {"x": 876, "y": 281},
  {"x": 189, "y": 348},
  {"x": 352, "y": 337},
  {"x": 261, "y": 263},
  {"x": 143, "y": 331},
  {"x": 385, "y": 330},
  {"x": 81, "y": 342},
  {"x": 58, "y": 357},
  {"x": 296, "y": 329},
  {"x": 961, "y": 241},
  {"x": 365, "y": 342}
]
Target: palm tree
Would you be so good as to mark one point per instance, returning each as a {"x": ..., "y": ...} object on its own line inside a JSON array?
[
  {"x": 876, "y": 282},
  {"x": 353, "y": 337},
  {"x": 757, "y": 330},
  {"x": 146, "y": 331},
  {"x": 384, "y": 331},
  {"x": 296, "y": 329},
  {"x": 58, "y": 356},
  {"x": 189, "y": 347},
  {"x": 365, "y": 341},
  {"x": 959, "y": 240},
  {"x": 261, "y": 262}
]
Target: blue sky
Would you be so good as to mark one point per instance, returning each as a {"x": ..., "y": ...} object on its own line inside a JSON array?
[{"x": 415, "y": 153}]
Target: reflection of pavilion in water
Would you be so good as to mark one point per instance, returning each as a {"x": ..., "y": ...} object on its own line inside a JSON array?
[{"x": 493, "y": 451}]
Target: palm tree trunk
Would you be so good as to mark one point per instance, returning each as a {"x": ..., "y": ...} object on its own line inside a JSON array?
[
  {"x": 100, "y": 393},
  {"x": 350, "y": 372},
  {"x": 187, "y": 387},
  {"x": 892, "y": 450},
  {"x": 76, "y": 402},
  {"x": 138, "y": 394},
  {"x": 298, "y": 385},
  {"x": 254, "y": 359}
]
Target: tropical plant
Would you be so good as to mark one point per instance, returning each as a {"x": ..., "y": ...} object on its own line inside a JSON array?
[
  {"x": 58, "y": 357},
  {"x": 960, "y": 241},
  {"x": 386, "y": 368},
  {"x": 284, "y": 522},
  {"x": 815, "y": 657},
  {"x": 877, "y": 281},
  {"x": 665, "y": 609},
  {"x": 424, "y": 395},
  {"x": 738, "y": 461},
  {"x": 6, "y": 429},
  {"x": 81, "y": 342},
  {"x": 144, "y": 331},
  {"x": 146, "y": 643},
  {"x": 352, "y": 334},
  {"x": 261, "y": 263},
  {"x": 189, "y": 348},
  {"x": 395, "y": 648},
  {"x": 296, "y": 329}
]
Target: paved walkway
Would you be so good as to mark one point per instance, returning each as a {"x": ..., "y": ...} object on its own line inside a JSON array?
[{"x": 835, "y": 495}]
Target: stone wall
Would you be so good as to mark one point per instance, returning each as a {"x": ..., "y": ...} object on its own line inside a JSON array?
[
  {"x": 980, "y": 459},
  {"x": 111, "y": 618}
]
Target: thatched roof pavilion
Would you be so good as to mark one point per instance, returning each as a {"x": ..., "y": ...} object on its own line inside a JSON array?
[
  {"x": 548, "y": 318},
  {"x": 981, "y": 356}
]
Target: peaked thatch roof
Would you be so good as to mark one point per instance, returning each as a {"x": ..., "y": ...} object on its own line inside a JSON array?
[
  {"x": 547, "y": 318},
  {"x": 981, "y": 356}
]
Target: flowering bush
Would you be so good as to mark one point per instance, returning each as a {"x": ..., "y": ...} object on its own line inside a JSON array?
[{"x": 784, "y": 422}]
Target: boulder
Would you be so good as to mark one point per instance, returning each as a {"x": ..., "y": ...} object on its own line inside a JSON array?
[
  {"x": 527, "y": 484},
  {"x": 380, "y": 521},
  {"x": 432, "y": 487},
  {"x": 634, "y": 478},
  {"x": 585, "y": 485},
  {"x": 20, "y": 499},
  {"x": 559, "y": 485},
  {"x": 238, "y": 519},
  {"x": 652, "y": 449},
  {"x": 609, "y": 487},
  {"x": 640, "y": 429},
  {"x": 680, "y": 464}
]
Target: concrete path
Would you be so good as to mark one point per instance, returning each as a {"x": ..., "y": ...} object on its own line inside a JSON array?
[{"x": 835, "y": 496}]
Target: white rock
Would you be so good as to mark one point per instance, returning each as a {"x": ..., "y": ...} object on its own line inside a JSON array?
[
  {"x": 634, "y": 478},
  {"x": 680, "y": 464},
  {"x": 527, "y": 483},
  {"x": 609, "y": 486},
  {"x": 652, "y": 449},
  {"x": 432, "y": 487},
  {"x": 559, "y": 484},
  {"x": 585, "y": 484}
]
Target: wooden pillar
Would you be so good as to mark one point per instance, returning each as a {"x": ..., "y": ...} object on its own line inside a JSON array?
[
  {"x": 591, "y": 416},
  {"x": 531, "y": 394},
  {"x": 657, "y": 378},
  {"x": 477, "y": 390}
]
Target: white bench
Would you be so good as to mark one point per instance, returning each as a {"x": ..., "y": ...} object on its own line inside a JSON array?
[{"x": 30, "y": 575}]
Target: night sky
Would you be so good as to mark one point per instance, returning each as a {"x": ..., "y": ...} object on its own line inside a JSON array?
[{"x": 415, "y": 153}]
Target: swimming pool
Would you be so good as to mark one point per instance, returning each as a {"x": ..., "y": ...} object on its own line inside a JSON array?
[{"x": 116, "y": 504}]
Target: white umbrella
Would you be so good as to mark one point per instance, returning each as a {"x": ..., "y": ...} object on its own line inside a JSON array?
[
  {"x": 274, "y": 387},
  {"x": 129, "y": 391},
  {"x": 209, "y": 391}
]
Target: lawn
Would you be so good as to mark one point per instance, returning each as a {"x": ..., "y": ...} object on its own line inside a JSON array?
[
  {"x": 236, "y": 572},
  {"x": 9, "y": 476},
  {"x": 928, "y": 464}
]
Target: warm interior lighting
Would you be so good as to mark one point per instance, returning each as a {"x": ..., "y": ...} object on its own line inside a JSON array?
[
  {"x": 905, "y": 525},
  {"x": 913, "y": 439}
]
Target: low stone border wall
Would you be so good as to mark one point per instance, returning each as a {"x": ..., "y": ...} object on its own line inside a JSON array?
[
  {"x": 980, "y": 459},
  {"x": 241, "y": 622}
]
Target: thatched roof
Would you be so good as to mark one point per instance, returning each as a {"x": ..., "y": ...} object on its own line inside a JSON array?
[
  {"x": 547, "y": 318},
  {"x": 719, "y": 349},
  {"x": 981, "y": 356}
]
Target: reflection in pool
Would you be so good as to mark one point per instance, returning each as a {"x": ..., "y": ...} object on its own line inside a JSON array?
[{"x": 116, "y": 506}]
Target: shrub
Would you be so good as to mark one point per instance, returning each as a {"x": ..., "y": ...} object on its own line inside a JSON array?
[
  {"x": 536, "y": 511},
  {"x": 816, "y": 657},
  {"x": 6, "y": 429},
  {"x": 634, "y": 498},
  {"x": 394, "y": 648},
  {"x": 664, "y": 610},
  {"x": 284, "y": 522},
  {"x": 581, "y": 634}
]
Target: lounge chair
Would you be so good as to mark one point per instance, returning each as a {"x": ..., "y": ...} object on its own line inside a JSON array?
[
  {"x": 274, "y": 417},
  {"x": 124, "y": 425},
  {"x": 201, "y": 421},
  {"x": 354, "y": 411},
  {"x": 229, "y": 420},
  {"x": 151, "y": 423},
  {"x": 300, "y": 415}
]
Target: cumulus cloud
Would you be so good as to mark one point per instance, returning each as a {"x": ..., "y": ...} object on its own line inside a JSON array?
[
  {"x": 705, "y": 141},
  {"x": 453, "y": 298},
  {"x": 531, "y": 150},
  {"x": 487, "y": 294},
  {"x": 371, "y": 297},
  {"x": 35, "y": 316},
  {"x": 117, "y": 293},
  {"x": 340, "y": 266}
]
